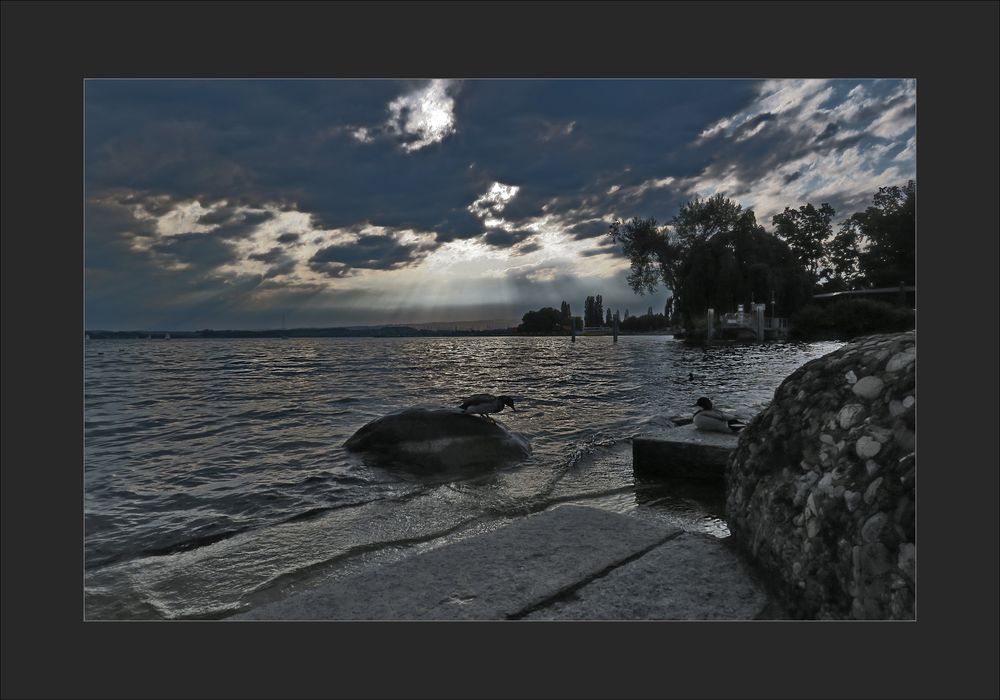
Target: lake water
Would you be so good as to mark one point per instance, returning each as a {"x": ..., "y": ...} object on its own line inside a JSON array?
[{"x": 215, "y": 477}]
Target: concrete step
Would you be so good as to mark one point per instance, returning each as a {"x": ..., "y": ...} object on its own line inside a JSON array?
[
  {"x": 683, "y": 452},
  {"x": 690, "y": 577},
  {"x": 534, "y": 565}
]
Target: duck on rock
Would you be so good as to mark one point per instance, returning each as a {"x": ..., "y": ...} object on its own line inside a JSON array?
[{"x": 485, "y": 404}]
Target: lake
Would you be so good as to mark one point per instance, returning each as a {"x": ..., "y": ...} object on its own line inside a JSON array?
[{"x": 216, "y": 479}]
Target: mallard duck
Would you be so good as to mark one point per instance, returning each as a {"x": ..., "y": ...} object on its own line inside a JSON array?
[
  {"x": 485, "y": 404},
  {"x": 708, "y": 418}
]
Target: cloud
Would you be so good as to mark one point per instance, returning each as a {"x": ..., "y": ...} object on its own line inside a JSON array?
[
  {"x": 591, "y": 228},
  {"x": 376, "y": 252},
  {"x": 555, "y": 130},
  {"x": 202, "y": 250},
  {"x": 492, "y": 203},
  {"x": 362, "y": 134},
  {"x": 243, "y": 223},
  {"x": 824, "y": 141},
  {"x": 273, "y": 255},
  {"x": 527, "y": 248},
  {"x": 284, "y": 266},
  {"x": 330, "y": 268},
  {"x": 423, "y": 117},
  {"x": 499, "y": 238},
  {"x": 311, "y": 192}
]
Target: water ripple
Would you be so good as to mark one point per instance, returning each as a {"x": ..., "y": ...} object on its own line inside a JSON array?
[{"x": 196, "y": 449}]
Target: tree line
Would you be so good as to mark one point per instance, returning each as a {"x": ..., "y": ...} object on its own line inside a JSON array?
[
  {"x": 549, "y": 320},
  {"x": 713, "y": 253}
]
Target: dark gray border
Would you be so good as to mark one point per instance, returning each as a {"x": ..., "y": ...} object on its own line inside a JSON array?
[{"x": 48, "y": 48}]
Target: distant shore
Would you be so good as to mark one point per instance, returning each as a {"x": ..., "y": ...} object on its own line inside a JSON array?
[{"x": 367, "y": 332}]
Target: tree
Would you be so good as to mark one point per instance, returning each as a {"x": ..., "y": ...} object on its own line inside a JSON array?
[
  {"x": 843, "y": 258},
  {"x": 700, "y": 219},
  {"x": 660, "y": 254},
  {"x": 885, "y": 236},
  {"x": 545, "y": 320},
  {"x": 653, "y": 256},
  {"x": 593, "y": 311},
  {"x": 716, "y": 255},
  {"x": 807, "y": 231},
  {"x": 566, "y": 313},
  {"x": 649, "y": 322},
  {"x": 607, "y": 321}
]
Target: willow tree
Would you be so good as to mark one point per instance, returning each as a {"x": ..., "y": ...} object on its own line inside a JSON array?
[{"x": 712, "y": 254}]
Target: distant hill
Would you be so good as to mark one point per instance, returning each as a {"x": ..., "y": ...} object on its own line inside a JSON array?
[{"x": 489, "y": 327}]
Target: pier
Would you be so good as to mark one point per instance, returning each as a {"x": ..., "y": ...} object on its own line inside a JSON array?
[{"x": 683, "y": 452}]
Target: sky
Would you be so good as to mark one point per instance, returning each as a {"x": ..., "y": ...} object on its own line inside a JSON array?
[{"x": 234, "y": 203}]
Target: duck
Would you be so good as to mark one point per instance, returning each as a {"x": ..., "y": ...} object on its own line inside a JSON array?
[
  {"x": 708, "y": 418},
  {"x": 485, "y": 404}
]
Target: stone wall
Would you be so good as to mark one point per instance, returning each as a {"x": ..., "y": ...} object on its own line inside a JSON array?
[{"x": 821, "y": 488}]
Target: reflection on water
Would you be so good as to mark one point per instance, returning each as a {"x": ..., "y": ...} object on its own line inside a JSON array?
[{"x": 215, "y": 474}]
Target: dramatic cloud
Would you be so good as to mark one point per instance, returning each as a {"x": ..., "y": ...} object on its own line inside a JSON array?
[
  {"x": 376, "y": 252},
  {"x": 227, "y": 203},
  {"x": 493, "y": 202},
  {"x": 422, "y": 117}
]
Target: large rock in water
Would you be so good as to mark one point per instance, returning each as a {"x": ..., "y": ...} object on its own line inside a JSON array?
[
  {"x": 439, "y": 439},
  {"x": 820, "y": 489}
]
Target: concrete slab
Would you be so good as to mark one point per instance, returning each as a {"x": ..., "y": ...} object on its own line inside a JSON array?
[
  {"x": 690, "y": 577},
  {"x": 487, "y": 577},
  {"x": 683, "y": 452}
]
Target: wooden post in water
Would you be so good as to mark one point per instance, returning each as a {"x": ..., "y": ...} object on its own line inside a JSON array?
[
  {"x": 572, "y": 325},
  {"x": 758, "y": 322},
  {"x": 614, "y": 326}
]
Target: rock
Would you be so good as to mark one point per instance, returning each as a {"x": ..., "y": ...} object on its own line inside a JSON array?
[
  {"x": 906, "y": 558},
  {"x": 852, "y": 499},
  {"x": 875, "y": 559},
  {"x": 883, "y": 435},
  {"x": 872, "y": 490},
  {"x": 439, "y": 439},
  {"x": 868, "y": 387},
  {"x": 872, "y": 528},
  {"x": 905, "y": 439},
  {"x": 849, "y": 415},
  {"x": 900, "y": 360},
  {"x": 811, "y": 508},
  {"x": 834, "y": 536},
  {"x": 867, "y": 447},
  {"x": 825, "y": 484}
]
